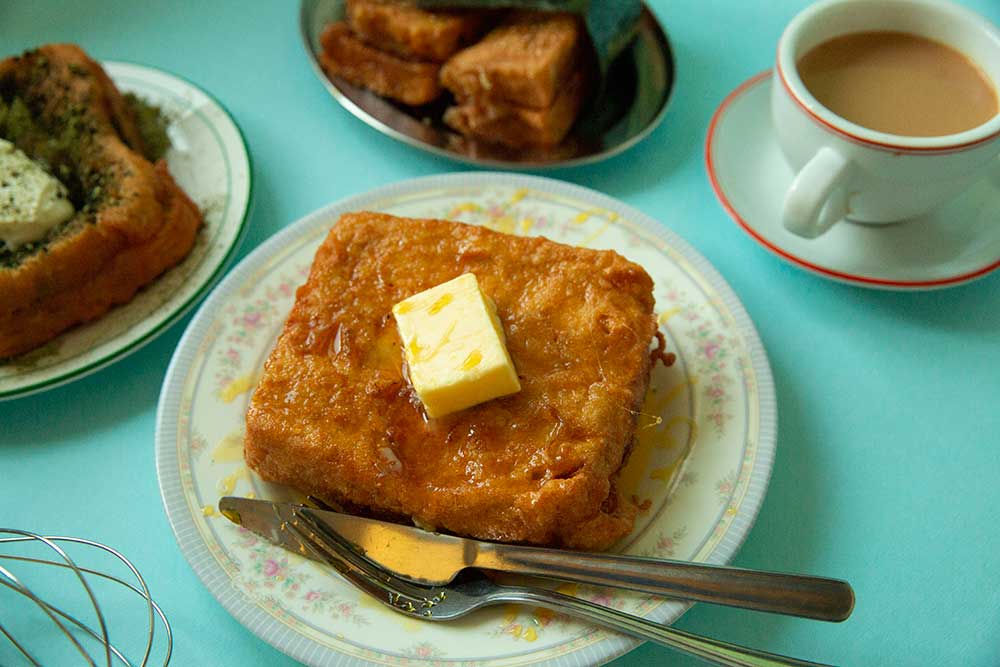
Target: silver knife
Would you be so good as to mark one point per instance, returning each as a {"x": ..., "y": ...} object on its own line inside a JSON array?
[{"x": 433, "y": 559}]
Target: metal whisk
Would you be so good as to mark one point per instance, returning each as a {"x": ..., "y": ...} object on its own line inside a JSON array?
[{"x": 59, "y": 619}]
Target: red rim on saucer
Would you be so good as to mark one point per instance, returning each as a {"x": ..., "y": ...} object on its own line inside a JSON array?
[{"x": 710, "y": 162}]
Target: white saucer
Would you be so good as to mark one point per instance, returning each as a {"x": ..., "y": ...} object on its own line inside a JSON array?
[{"x": 957, "y": 243}]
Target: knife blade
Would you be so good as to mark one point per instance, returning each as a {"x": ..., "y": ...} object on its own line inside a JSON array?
[{"x": 435, "y": 559}]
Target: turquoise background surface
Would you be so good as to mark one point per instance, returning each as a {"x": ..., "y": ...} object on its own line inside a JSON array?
[{"x": 889, "y": 403}]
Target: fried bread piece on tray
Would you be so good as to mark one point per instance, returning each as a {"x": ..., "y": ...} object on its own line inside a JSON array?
[
  {"x": 523, "y": 61},
  {"x": 517, "y": 126},
  {"x": 411, "y": 32},
  {"x": 345, "y": 55}
]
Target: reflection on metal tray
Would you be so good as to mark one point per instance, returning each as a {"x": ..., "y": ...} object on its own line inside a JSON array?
[{"x": 637, "y": 91}]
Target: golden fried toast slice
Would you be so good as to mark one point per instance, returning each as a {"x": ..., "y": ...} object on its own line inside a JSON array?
[
  {"x": 334, "y": 417},
  {"x": 512, "y": 125},
  {"x": 132, "y": 222},
  {"x": 411, "y": 32},
  {"x": 523, "y": 61},
  {"x": 346, "y": 56}
]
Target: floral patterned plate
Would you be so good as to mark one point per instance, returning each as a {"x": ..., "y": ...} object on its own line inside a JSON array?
[
  {"x": 699, "y": 471},
  {"x": 209, "y": 160}
]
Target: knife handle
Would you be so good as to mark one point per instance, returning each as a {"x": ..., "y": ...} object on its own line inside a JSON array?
[{"x": 791, "y": 594}]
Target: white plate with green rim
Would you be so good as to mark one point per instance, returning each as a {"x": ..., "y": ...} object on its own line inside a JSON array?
[
  {"x": 210, "y": 161},
  {"x": 700, "y": 469}
]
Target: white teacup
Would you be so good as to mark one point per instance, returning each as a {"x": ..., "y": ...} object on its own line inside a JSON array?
[{"x": 846, "y": 171}]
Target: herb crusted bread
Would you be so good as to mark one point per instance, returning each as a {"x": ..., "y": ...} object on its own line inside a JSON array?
[{"x": 132, "y": 221}]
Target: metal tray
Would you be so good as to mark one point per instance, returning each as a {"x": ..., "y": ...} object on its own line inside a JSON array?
[{"x": 637, "y": 91}]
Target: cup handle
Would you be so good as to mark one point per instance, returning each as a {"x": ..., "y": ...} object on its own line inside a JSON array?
[{"x": 816, "y": 199}]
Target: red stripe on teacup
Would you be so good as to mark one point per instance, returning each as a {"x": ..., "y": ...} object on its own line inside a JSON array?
[{"x": 878, "y": 145}]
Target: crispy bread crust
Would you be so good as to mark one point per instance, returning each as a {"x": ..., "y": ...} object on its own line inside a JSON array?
[
  {"x": 346, "y": 56},
  {"x": 332, "y": 415},
  {"x": 143, "y": 224},
  {"x": 499, "y": 122},
  {"x": 411, "y": 32},
  {"x": 523, "y": 61}
]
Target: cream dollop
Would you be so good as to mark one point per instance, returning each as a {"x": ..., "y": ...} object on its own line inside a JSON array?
[{"x": 31, "y": 201}]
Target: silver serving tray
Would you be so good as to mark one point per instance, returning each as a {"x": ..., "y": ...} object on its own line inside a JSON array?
[{"x": 638, "y": 89}]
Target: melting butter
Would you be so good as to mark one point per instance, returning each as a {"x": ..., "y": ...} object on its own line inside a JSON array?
[
  {"x": 240, "y": 385},
  {"x": 472, "y": 360},
  {"x": 227, "y": 484},
  {"x": 455, "y": 347},
  {"x": 229, "y": 449}
]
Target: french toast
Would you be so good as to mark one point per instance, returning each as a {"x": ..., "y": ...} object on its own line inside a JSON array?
[
  {"x": 517, "y": 126},
  {"x": 347, "y": 56},
  {"x": 132, "y": 221},
  {"x": 333, "y": 415},
  {"x": 411, "y": 32},
  {"x": 523, "y": 61}
]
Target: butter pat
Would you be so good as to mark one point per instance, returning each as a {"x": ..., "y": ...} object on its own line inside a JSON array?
[
  {"x": 454, "y": 346},
  {"x": 31, "y": 201}
]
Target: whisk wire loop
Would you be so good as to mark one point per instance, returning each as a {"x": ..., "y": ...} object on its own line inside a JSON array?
[{"x": 10, "y": 581}]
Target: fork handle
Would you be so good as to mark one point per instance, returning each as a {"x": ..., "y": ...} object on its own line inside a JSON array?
[
  {"x": 792, "y": 594},
  {"x": 712, "y": 650}
]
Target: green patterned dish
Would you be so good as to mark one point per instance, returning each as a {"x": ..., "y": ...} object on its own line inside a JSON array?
[{"x": 700, "y": 469}]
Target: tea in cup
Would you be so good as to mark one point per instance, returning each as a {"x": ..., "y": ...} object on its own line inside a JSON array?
[{"x": 885, "y": 109}]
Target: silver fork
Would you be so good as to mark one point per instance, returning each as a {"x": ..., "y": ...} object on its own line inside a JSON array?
[{"x": 474, "y": 590}]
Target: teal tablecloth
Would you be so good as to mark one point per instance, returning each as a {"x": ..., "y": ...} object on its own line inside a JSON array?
[{"x": 888, "y": 464}]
